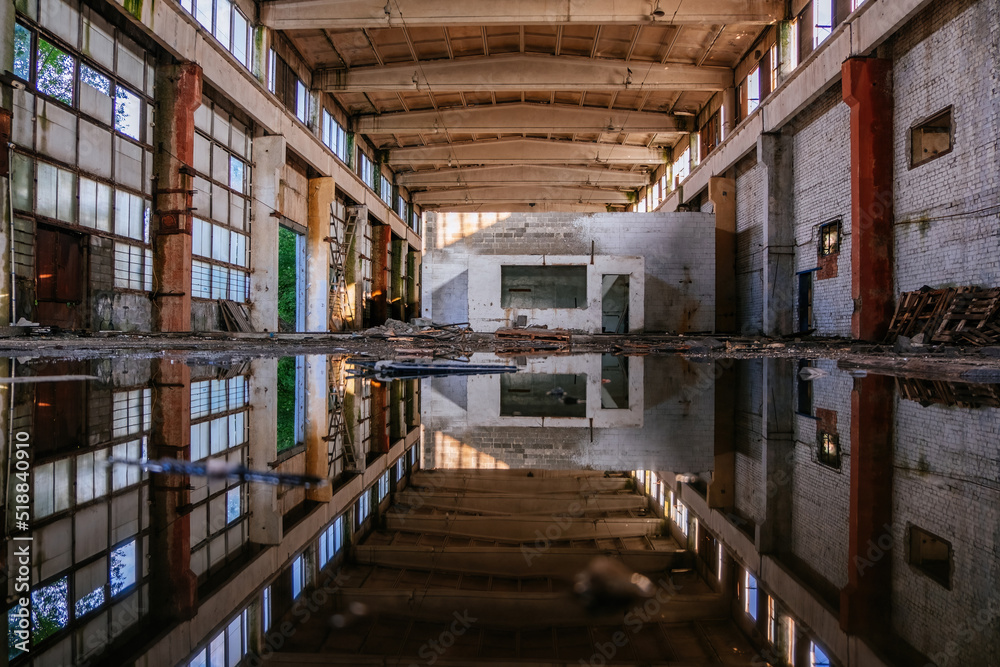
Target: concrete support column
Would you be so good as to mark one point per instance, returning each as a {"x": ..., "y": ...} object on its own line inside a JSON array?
[
  {"x": 265, "y": 519},
  {"x": 381, "y": 240},
  {"x": 178, "y": 94},
  {"x": 317, "y": 425},
  {"x": 722, "y": 194},
  {"x": 867, "y": 89},
  {"x": 778, "y": 456},
  {"x": 269, "y": 163},
  {"x": 729, "y": 106},
  {"x": 397, "y": 289},
  {"x": 176, "y": 591},
  {"x": 413, "y": 261},
  {"x": 774, "y": 153},
  {"x": 722, "y": 490},
  {"x": 321, "y": 197},
  {"x": 380, "y": 426},
  {"x": 865, "y": 601},
  {"x": 786, "y": 50}
]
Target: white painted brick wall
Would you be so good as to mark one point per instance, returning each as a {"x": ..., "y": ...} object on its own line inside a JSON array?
[
  {"x": 821, "y": 495},
  {"x": 949, "y": 55},
  {"x": 750, "y": 249},
  {"x": 821, "y": 164},
  {"x": 678, "y": 250},
  {"x": 947, "y": 463}
]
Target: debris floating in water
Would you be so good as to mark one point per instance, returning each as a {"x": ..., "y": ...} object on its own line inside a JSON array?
[{"x": 219, "y": 469}]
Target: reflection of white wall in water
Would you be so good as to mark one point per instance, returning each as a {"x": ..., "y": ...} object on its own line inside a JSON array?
[
  {"x": 484, "y": 395},
  {"x": 486, "y": 313},
  {"x": 669, "y": 423}
]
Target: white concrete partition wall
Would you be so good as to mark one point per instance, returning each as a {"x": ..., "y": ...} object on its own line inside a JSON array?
[
  {"x": 669, "y": 258},
  {"x": 487, "y": 314}
]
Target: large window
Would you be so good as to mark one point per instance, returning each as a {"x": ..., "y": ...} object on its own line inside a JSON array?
[
  {"x": 219, "y": 410},
  {"x": 543, "y": 287},
  {"x": 336, "y": 138},
  {"x": 220, "y": 233},
  {"x": 230, "y": 26},
  {"x": 750, "y": 594},
  {"x": 90, "y": 163},
  {"x": 753, "y": 90},
  {"x": 228, "y": 647},
  {"x": 822, "y": 21}
]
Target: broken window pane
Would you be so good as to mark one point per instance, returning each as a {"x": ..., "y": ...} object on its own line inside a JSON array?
[
  {"x": 90, "y": 602},
  {"x": 829, "y": 238},
  {"x": 122, "y": 567},
  {"x": 50, "y": 609},
  {"x": 232, "y": 504},
  {"x": 236, "y": 169},
  {"x": 128, "y": 109},
  {"x": 95, "y": 79},
  {"x": 56, "y": 70},
  {"x": 22, "y": 52}
]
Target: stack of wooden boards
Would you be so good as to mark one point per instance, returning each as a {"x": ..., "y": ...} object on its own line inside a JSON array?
[{"x": 959, "y": 315}]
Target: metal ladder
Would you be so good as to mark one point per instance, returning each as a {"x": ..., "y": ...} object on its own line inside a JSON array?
[
  {"x": 338, "y": 433},
  {"x": 340, "y": 249}
]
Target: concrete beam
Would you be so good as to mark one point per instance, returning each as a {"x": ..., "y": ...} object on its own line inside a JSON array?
[
  {"x": 519, "y": 610},
  {"x": 522, "y": 117},
  {"x": 511, "y": 561},
  {"x": 550, "y": 193},
  {"x": 345, "y": 14},
  {"x": 490, "y": 503},
  {"x": 526, "y": 151},
  {"x": 523, "y": 175},
  {"x": 269, "y": 162},
  {"x": 522, "y": 529},
  {"x": 520, "y": 72}
]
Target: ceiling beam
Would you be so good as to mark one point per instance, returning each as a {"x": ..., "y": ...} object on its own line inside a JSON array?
[
  {"x": 502, "y": 194},
  {"x": 519, "y": 207},
  {"x": 346, "y": 14},
  {"x": 518, "y": 71},
  {"x": 519, "y": 117},
  {"x": 522, "y": 175},
  {"x": 525, "y": 151}
]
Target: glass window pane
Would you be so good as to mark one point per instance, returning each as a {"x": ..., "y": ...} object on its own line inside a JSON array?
[
  {"x": 128, "y": 111},
  {"x": 223, "y": 16},
  {"x": 236, "y": 168},
  {"x": 95, "y": 80},
  {"x": 50, "y": 608},
  {"x": 56, "y": 70},
  {"x": 22, "y": 52},
  {"x": 203, "y": 12},
  {"x": 240, "y": 33}
]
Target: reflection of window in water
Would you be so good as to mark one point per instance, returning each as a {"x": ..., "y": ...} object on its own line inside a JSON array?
[
  {"x": 543, "y": 395},
  {"x": 614, "y": 382}
]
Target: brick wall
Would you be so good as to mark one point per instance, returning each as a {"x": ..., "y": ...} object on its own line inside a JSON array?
[
  {"x": 750, "y": 245},
  {"x": 822, "y": 193},
  {"x": 677, "y": 250},
  {"x": 947, "y": 463},
  {"x": 820, "y": 494},
  {"x": 948, "y": 55},
  {"x": 749, "y": 483}
]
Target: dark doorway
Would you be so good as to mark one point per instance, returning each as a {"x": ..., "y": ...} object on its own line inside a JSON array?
[
  {"x": 614, "y": 304},
  {"x": 805, "y": 301},
  {"x": 61, "y": 278}
]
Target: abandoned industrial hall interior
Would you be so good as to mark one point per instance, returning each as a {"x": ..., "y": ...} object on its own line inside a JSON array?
[{"x": 539, "y": 333}]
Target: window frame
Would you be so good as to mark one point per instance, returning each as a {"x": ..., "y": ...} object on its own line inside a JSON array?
[{"x": 923, "y": 123}]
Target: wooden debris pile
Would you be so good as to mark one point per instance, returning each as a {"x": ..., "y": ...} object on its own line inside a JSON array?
[
  {"x": 522, "y": 341},
  {"x": 960, "y": 394},
  {"x": 958, "y": 315}
]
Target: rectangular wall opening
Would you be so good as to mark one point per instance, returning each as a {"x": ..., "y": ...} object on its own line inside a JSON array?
[
  {"x": 291, "y": 280},
  {"x": 61, "y": 277},
  {"x": 543, "y": 395},
  {"x": 543, "y": 287},
  {"x": 291, "y": 403},
  {"x": 614, "y": 303}
]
